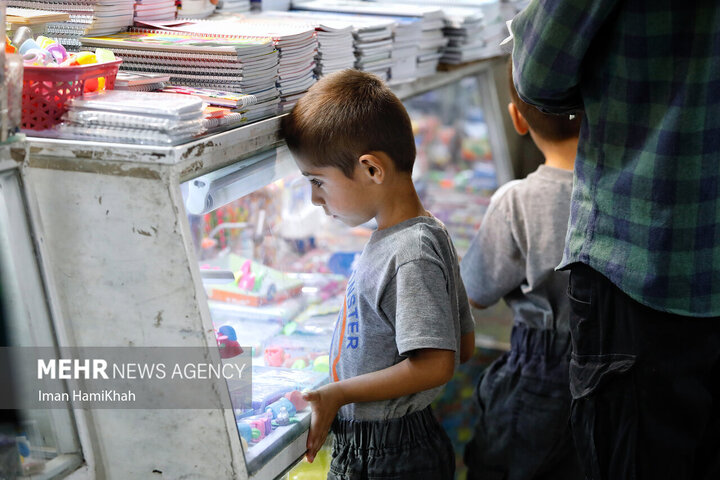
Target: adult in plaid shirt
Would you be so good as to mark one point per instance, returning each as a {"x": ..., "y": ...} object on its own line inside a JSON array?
[{"x": 643, "y": 244}]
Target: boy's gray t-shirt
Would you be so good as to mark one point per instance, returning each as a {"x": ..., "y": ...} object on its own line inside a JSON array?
[
  {"x": 404, "y": 294},
  {"x": 519, "y": 244}
]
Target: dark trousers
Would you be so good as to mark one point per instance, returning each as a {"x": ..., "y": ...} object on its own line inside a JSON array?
[
  {"x": 522, "y": 431},
  {"x": 645, "y": 386},
  {"x": 412, "y": 447}
]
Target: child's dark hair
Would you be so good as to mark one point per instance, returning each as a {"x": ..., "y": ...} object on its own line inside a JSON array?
[
  {"x": 346, "y": 115},
  {"x": 554, "y": 128}
]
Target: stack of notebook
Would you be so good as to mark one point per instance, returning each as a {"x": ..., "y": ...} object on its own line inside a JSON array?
[
  {"x": 244, "y": 108},
  {"x": 87, "y": 17},
  {"x": 154, "y": 10},
  {"x": 432, "y": 41},
  {"x": 134, "y": 117},
  {"x": 474, "y": 28},
  {"x": 246, "y": 65},
  {"x": 372, "y": 37},
  {"x": 334, "y": 37},
  {"x": 140, "y": 82},
  {"x": 466, "y": 32},
  {"x": 407, "y": 38},
  {"x": 296, "y": 45}
]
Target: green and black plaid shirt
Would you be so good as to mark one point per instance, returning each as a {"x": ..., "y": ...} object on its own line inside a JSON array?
[{"x": 645, "y": 204}]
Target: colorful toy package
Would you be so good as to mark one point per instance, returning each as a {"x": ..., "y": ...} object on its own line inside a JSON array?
[{"x": 255, "y": 284}]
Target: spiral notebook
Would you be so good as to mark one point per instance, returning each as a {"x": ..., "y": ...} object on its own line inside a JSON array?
[
  {"x": 296, "y": 44},
  {"x": 171, "y": 41},
  {"x": 234, "y": 64}
]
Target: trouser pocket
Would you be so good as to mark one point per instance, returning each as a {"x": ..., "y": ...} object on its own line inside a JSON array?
[
  {"x": 604, "y": 412},
  {"x": 604, "y": 415}
]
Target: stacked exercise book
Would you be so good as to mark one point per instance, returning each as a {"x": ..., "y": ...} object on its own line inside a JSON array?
[
  {"x": 87, "y": 17},
  {"x": 243, "y": 65},
  {"x": 334, "y": 37},
  {"x": 134, "y": 117},
  {"x": 296, "y": 45},
  {"x": 154, "y": 10},
  {"x": 475, "y": 28},
  {"x": 373, "y": 40},
  {"x": 431, "y": 22},
  {"x": 466, "y": 33}
]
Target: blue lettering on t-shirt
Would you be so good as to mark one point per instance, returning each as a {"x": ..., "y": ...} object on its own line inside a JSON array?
[{"x": 352, "y": 312}]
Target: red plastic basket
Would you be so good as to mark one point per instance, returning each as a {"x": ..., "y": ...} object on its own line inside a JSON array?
[{"x": 47, "y": 90}]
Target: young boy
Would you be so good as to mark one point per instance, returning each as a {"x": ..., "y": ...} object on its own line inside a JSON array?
[
  {"x": 405, "y": 323},
  {"x": 522, "y": 432}
]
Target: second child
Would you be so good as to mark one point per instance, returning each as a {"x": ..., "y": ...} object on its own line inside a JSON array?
[{"x": 522, "y": 432}]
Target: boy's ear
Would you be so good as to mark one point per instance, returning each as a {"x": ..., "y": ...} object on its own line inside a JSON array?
[
  {"x": 373, "y": 167},
  {"x": 519, "y": 122}
]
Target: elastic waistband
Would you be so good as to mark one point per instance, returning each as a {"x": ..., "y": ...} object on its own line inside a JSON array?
[
  {"x": 530, "y": 342},
  {"x": 412, "y": 428}
]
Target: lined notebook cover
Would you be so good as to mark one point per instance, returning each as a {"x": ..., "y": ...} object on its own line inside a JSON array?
[{"x": 179, "y": 42}]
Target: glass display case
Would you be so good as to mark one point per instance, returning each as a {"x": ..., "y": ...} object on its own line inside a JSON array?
[{"x": 274, "y": 270}]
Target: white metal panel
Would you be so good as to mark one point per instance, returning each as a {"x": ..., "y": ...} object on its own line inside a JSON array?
[{"x": 119, "y": 260}]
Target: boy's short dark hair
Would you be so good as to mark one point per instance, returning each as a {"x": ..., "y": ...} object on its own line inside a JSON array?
[
  {"x": 554, "y": 128},
  {"x": 346, "y": 115}
]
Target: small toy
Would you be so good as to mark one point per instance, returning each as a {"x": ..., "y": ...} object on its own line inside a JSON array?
[
  {"x": 274, "y": 356},
  {"x": 261, "y": 422},
  {"x": 299, "y": 364},
  {"x": 245, "y": 431},
  {"x": 245, "y": 278},
  {"x": 322, "y": 363},
  {"x": 283, "y": 417},
  {"x": 295, "y": 397},
  {"x": 280, "y": 405},
  {"x": 228, "y": 331},
  {"x": 227, "y": 342}
]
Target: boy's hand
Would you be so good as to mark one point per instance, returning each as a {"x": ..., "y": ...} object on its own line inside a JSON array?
[{"x": 325, "y": 403}]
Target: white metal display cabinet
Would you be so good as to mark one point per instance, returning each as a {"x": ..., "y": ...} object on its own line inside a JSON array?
[
  {"x": 122, "y": 271},
  {"x": 26, "y": 315}
]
